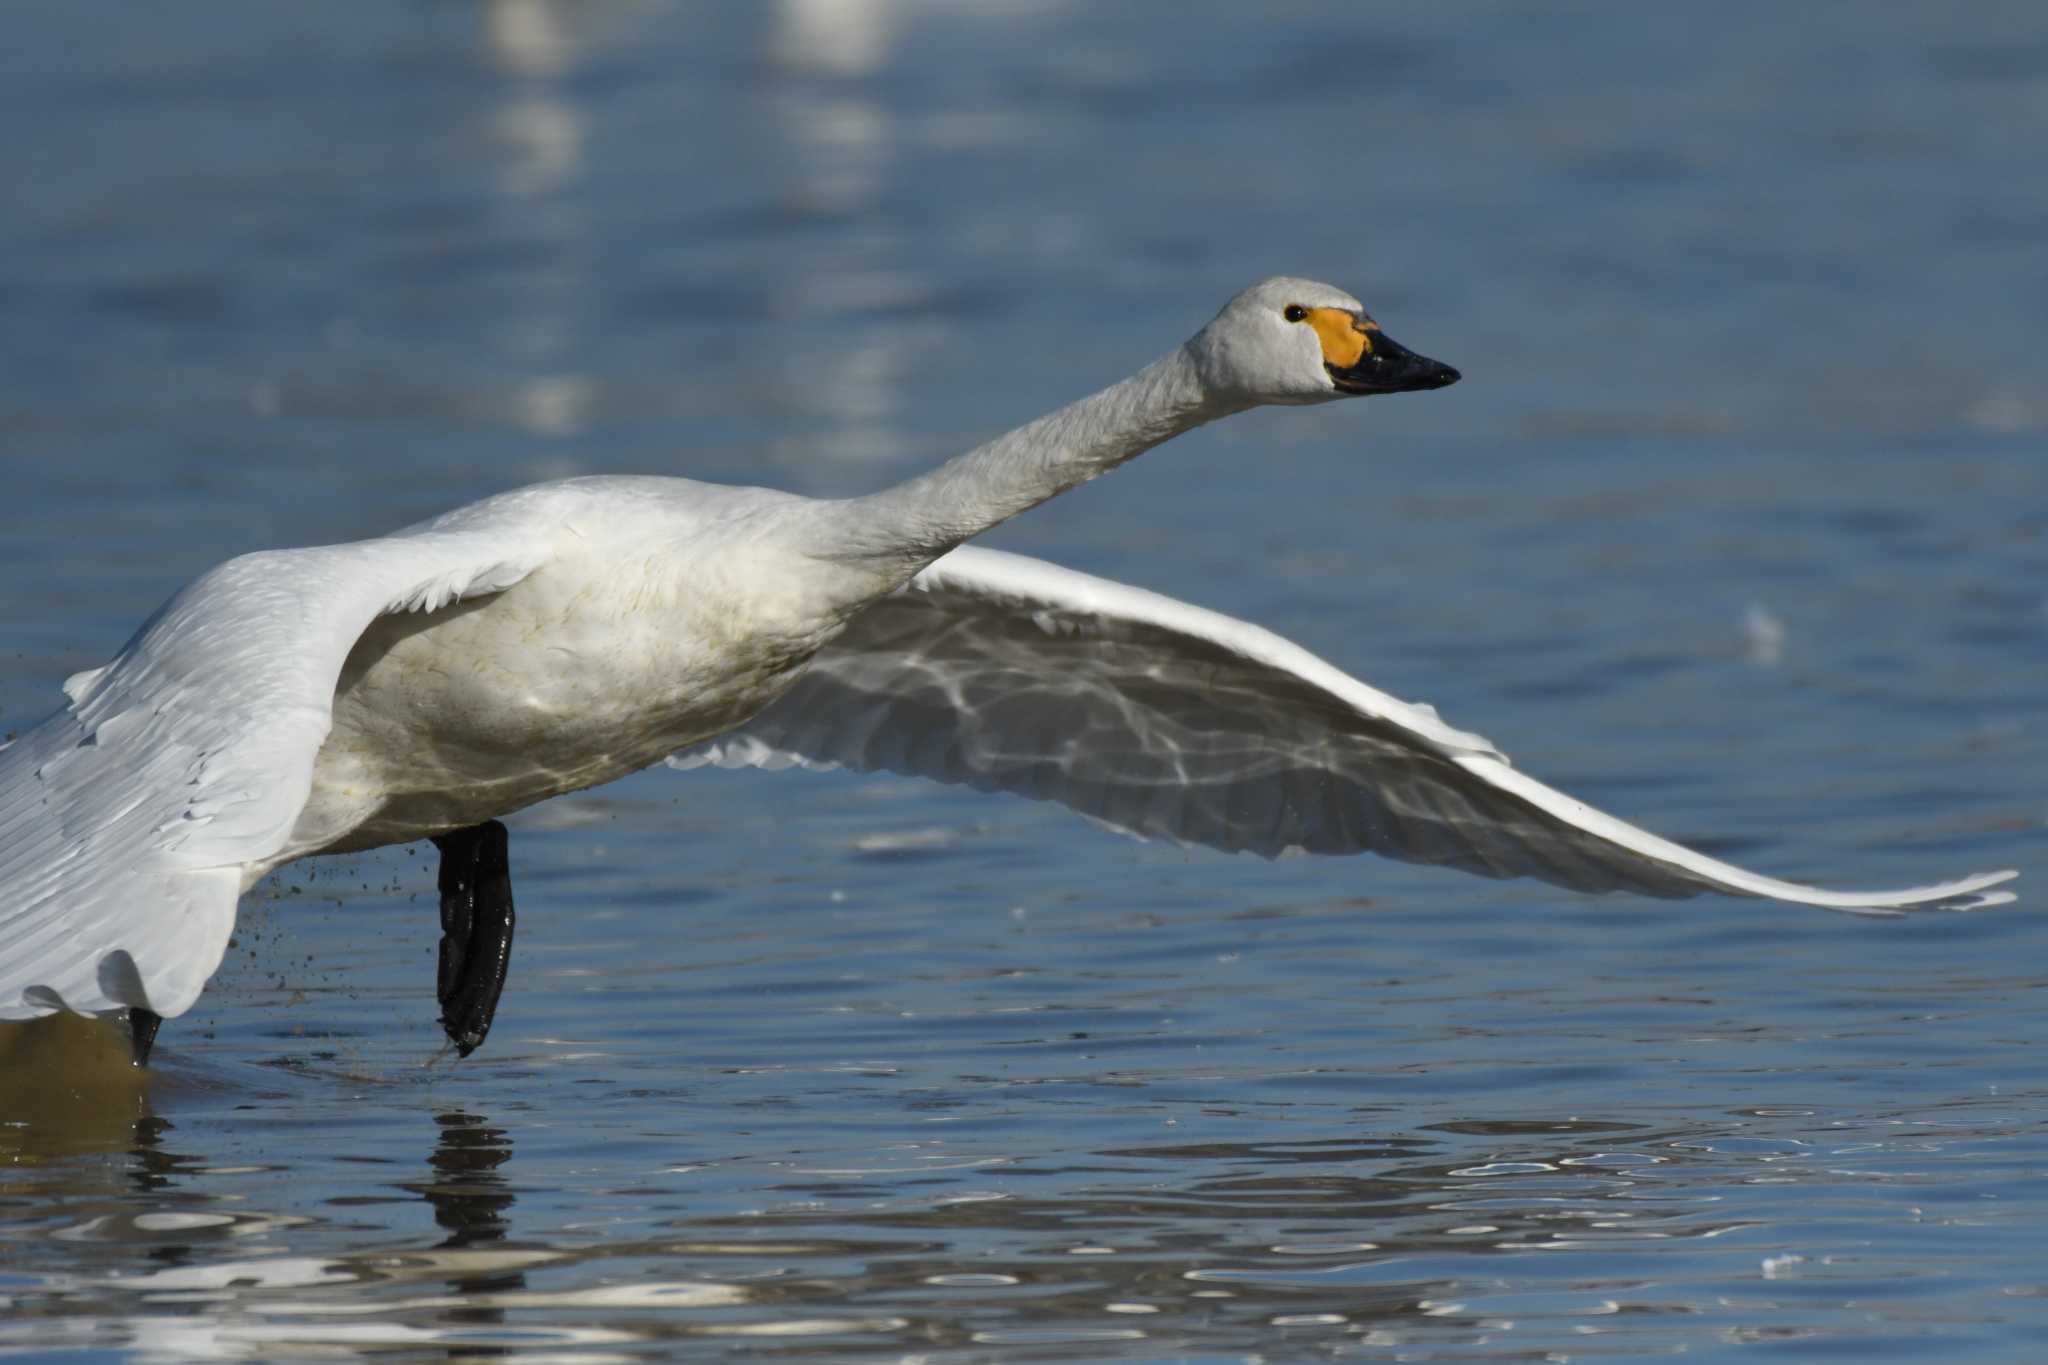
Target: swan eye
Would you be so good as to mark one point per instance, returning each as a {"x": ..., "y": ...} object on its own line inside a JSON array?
[{"x": 1294, "y": 312}]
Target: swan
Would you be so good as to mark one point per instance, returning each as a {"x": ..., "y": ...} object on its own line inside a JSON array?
[{"x": 421, "y": 684}]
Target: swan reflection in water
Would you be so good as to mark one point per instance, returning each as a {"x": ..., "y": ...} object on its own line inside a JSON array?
[
  {"x": 69, "y": 1087},
  {"x": 1385, "y": 1228},
  {"x": 471, "y": 1200},
  {"x": 120, "y": 1235}
]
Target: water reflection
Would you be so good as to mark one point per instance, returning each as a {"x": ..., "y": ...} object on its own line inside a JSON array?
[
  {"x": 470, "y": 1200},
  {"x": 1418, "y": 1237},
  {"x": 534, "y": 44},
  {"x": 540, "y": 129},
  {"x": 468, "y": 1194},
  {"x": 68, "y": 1088},
  {"x": 838, "y": 37},
  {"x": 540, "y": 38},
  {"x": 1382, "y": 1240},
  {"x": 837, "y": 143}
]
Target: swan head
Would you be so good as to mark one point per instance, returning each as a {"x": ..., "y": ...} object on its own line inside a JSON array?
[{"x": 1295, "y": 341}]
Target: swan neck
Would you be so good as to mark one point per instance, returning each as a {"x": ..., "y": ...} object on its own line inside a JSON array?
[{"x": 915, "y": 522}]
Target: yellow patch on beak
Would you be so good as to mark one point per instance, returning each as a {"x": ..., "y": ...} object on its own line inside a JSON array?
[{"x": 1345, "y": 340}]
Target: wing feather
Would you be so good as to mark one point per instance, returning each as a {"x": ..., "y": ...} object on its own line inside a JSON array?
[
  {"x": 130, "y": 818},
  {"x": 1008, "y": 674}
]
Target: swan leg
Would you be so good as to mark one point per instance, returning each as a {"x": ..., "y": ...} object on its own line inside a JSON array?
[
  {"x": 476, "y": 930},
  {"x": 142, "y": 1027}
]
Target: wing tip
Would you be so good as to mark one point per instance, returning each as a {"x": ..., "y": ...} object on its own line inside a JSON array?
[
  {"x": 1960, "y": 896},
  {"x": 1976, "y": 895}
]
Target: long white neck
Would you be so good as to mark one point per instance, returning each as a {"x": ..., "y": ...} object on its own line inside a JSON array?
[{"x": 900, "y": 530}]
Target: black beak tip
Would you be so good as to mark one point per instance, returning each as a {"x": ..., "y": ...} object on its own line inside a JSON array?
[{"x": 1394, "y": 369}]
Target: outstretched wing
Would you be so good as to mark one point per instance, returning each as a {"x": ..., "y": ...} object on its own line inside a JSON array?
[
  {"x": 1009, "y": 674},
  {"x": 127, "y": 819}
]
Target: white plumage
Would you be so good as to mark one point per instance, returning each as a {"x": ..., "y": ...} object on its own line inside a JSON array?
[{"x": 304, "y": 701}]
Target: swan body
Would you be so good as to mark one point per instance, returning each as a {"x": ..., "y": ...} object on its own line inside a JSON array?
[
  {"x": 417, "y": 685},
  {"x": 685, "y": 608}
]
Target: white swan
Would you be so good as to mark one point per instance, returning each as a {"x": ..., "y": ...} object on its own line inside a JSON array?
[{"x": 309, "y": 701}]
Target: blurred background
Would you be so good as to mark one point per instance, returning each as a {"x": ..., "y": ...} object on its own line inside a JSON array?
[{"x": 1735, "y": 526}]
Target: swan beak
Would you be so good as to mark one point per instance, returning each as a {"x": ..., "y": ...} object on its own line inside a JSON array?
[{"x": 1363, "y": 359}]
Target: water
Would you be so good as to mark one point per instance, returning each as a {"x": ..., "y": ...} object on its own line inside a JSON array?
[{"x": 1736, "y": 526}]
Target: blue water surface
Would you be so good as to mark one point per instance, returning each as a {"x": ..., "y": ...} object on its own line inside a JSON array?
[{"x": 1736, "y": 526}]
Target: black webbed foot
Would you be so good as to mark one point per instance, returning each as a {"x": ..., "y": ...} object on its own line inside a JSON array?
[
  {"x": 476, "y": 931},
  {"x": 142, "y": 1027}
]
